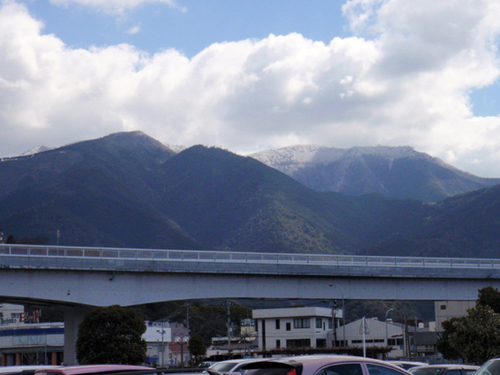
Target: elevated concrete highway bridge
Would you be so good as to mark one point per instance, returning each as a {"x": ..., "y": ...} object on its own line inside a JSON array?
[{"x": 81, "y": 277}]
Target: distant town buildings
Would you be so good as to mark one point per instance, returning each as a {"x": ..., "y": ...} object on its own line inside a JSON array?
[{"x": 25, "y": 341}]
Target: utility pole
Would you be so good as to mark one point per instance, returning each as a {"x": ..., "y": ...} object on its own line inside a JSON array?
[
  {"x": 334, "y": 326},
  {"x": 415, "y": 337},
  {"x": 229, "y": 327}
]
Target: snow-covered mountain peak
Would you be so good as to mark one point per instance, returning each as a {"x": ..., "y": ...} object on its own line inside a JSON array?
[{"x": 290, "y": 159}]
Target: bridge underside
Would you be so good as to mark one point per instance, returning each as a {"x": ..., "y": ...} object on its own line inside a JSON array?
[{"x": 105, "y": 288}]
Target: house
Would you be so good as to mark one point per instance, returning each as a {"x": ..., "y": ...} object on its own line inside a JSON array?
[{"x": 296, "y": 327}]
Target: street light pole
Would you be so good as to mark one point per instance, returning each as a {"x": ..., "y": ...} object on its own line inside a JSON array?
[
  {"x": 343, "y": 313},
  {"x": 181, "y": 340},
  {"x": 334, "y": 313},
  {"x": 162, "y": 343}
]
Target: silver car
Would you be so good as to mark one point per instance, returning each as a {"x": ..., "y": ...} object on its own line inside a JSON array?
[
  {"x": 444, "y": 370},
  {"x": 232, "y": 365},
  {"x": 323, "y": 365}
]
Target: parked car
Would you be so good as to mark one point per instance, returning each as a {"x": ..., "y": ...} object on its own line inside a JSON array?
[
  {"x": 444, "y": 370},
  {"x": 490, "y": 367},
  {"x": 322, "y": 365},
  {"x": 95, "y": 369},
  {"x": 408, "y": 364},
  {"x": 232, "y": 365},
  {"x": 23, "y": 370}
]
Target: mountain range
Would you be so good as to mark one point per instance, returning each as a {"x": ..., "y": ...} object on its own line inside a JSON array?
[
  {"x": 399, "y": 172},
  {"x": 129, "y": 190}
]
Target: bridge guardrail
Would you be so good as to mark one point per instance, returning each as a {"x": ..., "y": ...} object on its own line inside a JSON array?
[{"x": 70, "y": 252}]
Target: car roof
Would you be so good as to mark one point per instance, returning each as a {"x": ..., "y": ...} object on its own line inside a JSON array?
[
  {"x": 448, "y": 366},
  {"x": 92, "y": 369},
  {"x": 315, "y": 361},
  {"x": 234, "y": 362},
  {"x": 20, "y": 369},
  {"x": 240, "y": 360},
  {"x": 330, "y": 358},
  {"x": 408, "y": 362}
]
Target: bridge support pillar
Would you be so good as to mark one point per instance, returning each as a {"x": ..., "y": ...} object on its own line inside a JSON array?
[{"x": 73, "y": 315}]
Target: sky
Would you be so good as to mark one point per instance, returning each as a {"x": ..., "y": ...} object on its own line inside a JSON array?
[{"x": 254, "y": 75}]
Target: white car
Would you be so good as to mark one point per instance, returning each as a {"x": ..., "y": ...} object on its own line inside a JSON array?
[{"x": 232, "y": 365}]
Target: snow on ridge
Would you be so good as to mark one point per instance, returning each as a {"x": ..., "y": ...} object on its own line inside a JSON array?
[
  {"x": 388, "y": 152},
  {"x": 35, "y": 150},
  {"x": 176, "y": 148},
  {"x": 285, "y": 155},
  {"x": 290, "y": 159}
]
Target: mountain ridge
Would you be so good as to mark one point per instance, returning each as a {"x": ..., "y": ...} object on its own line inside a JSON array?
[
  {"x": 385, "y": 170},
  {"x": 129, "y": 190}
]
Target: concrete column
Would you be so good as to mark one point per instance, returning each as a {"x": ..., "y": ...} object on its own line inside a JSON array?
[
  {"x": 73, "y": 316},
  {"x": 53, "y": 359}
]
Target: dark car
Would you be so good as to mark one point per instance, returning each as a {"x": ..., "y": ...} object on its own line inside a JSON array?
[
  {"x": 444, "y": 370},
  {"x": 491, "y": 367}
]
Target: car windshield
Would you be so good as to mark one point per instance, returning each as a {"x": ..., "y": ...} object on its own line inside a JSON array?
[
  {"x": 270, "y": 368},
  {"x": 489, "y": 368},
  {"x": 424, "y": 371},
  {"x": 223, "y": 366}
]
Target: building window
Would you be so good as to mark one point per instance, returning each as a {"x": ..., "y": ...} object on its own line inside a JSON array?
[
  {"x": 300, "y": 343},
  {"x": 277, "y": 324},
  {"x": 278, "y": 344},
  {"x": 330, "y": 324},
  {"x": 302, "y": 323},
  {"x": 288, "y": 326},
  {"x": 394, "y": 342},
  {"x": 321, "y": 343},
  {"x": 318, "y": 322},
  {"x": 443, "y": 307}
]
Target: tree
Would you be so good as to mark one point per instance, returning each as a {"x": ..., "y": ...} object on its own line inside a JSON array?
[
  {"x": 476, "y": 337},
  {"x": 197, "y": 349},
  {"x": 444, "y": 345},
  {"x": 111, "y": 335},
  {"x": 489, "y": 296}
]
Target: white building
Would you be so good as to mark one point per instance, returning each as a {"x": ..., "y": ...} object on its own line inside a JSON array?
[
  {"x": 296, "y": 327},
  {"x": 444, "y": 310},
  {"x": 376, "y": 333},
  {"x": 158, "y": 336}
]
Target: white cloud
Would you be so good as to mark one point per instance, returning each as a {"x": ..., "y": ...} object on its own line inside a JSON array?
[
  {"x": 404, "y": 80},
  {"x": 116, "y": 6},
  {"x": 134, "y": 30}
]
